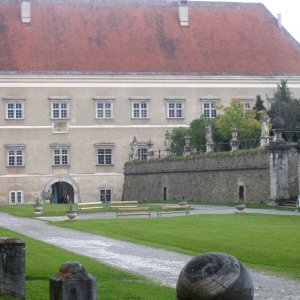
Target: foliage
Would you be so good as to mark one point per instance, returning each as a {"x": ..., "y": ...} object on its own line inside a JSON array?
[
  {"x": 251, "y": 238},
  {"x": 259, "y": 108},
  {"x": 177, "y": 140},
  {"x": 235, "y": 116},
  {"x": 287, "y": 107},
  {"x": 43, "y": 261}
]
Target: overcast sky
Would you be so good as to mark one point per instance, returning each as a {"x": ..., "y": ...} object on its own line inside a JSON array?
[{"x": 289, "y": 10}]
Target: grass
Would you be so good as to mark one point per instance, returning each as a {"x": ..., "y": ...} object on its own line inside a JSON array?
[
  {"x": 111, "y": 283},
  {"x": 264, "y": 241}
]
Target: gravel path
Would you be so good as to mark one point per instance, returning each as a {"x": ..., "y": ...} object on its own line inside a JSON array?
[{"x": 156, "y": 264}]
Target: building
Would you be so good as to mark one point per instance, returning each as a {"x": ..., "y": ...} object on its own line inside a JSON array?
[{"x": 80, "y": 79}]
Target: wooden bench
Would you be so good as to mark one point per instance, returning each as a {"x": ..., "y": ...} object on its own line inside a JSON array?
[
  {"x": 123, "y": 204},
  {"x": 133, "y": 211},
  {"x": 89, "y": 205},
  {"x": 174, "y": 209}
]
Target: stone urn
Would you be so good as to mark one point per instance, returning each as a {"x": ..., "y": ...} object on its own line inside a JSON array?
[
  {"x": 72, "y": 212},
  {"x": 240, "y": 206},
  {"x": 37, "y": 206}
]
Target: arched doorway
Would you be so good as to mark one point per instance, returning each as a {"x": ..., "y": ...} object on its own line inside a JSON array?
[
  {"x": 62, "y": 192},
  {"x": 62, "y": 189}
]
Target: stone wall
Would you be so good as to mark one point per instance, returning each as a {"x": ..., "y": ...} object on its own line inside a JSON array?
[{"x": 216, "y": 178}]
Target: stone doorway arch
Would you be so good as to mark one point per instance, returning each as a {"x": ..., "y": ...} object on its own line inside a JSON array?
[{"x": 60, "y": 187}]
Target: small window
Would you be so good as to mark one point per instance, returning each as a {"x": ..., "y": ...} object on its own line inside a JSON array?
[
  {"x": 16, "y": 197},
  {"x": 60, "y": 155},
  {"x": 142, "y": 153},
  {"x": 104, "y": 108},
  {"x": 15, "y": 155},
  {"x": 209, "y": 110},
  {"x": 59, "y": 107},
  {"x": 139, "y": 107},
  {"x": 175, "y": 110},
  {"x": 14, "y": 108},
  {"x": 105, "y": 195},
  {"x": 104, "y": 154}
]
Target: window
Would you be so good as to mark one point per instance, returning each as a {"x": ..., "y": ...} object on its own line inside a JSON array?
[
  {"x": 105, "y": 195},
  {"x": 14, "y": 108},
  {"x": 16, "y": 197},
  {"x": 209, "y": 110},
  {"x": 59, "y": 107},
  {"x": 142, "y": 153},
  {"x": 15, "y": 155},
  {"x": 60, "y": 155},
  {"x": 175, "y": 109},
  {"x": 104, "y": 108},
  {"x": 104, "y": 153},
  {"x": 139, "y": 107}
]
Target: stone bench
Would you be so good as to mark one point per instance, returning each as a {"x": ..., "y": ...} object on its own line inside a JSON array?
[
  {"x": 133, "y": 211},
  {"x": 89, "y": 205},
  {"x": 174, "y": 209}
]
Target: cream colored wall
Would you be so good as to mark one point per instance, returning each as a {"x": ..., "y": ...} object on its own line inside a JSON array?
[{"x": 35, "y": 131}]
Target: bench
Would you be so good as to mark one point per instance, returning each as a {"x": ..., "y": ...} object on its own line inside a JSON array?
[
  {"x": 174, "y": 209},
  {"x": 133, "y": 211},
  {"x": 89, "y": 205},
  {"x": 123, "y": 204}
]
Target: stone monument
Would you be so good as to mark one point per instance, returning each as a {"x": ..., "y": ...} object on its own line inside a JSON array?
[
  {"x": 234, "y": 140},
  {"x": 187, "y": 146},
  {"x": 209, "y": 139},
  {"x": 134, "y": 149},
  {"x": 265, "y": 134},
  {"x": 168, "y": 143}
]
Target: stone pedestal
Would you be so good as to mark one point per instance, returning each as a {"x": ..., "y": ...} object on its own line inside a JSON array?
[
  {"x": 12, "y": 267},
  {"x": 209, "y": 147},
  {"x": 72, "y": 282}
]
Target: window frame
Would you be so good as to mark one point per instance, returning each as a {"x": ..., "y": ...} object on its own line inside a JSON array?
[
  {"x": 138, "y": 112},
  {"x": 105, "y": 110},
  {"x": 13, "y": 159},
  {"x": 57, "y": 153},
  {"x": 14, "y": 101},
  {"x": 15, "y": 193},
  {"x": 106, "y": 157},
  {"x": 60, "y": 101},
  {"x": 107, "y": 193},
  {"x": 178, "y": 112},
  {"x": 212, "y": 103}
]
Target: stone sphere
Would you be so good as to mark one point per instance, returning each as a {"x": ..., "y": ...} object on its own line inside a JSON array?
[
  {"x": 278, "y": 123},
  {"x": 214, "y": 276}
]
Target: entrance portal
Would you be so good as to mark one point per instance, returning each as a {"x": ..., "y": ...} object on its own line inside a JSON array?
[{"x": 62, "y": 192}]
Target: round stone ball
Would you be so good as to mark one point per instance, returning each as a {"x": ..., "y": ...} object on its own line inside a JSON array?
[
  {"x": 278, "y": 123},
  {"x": 214, "y": 276}
]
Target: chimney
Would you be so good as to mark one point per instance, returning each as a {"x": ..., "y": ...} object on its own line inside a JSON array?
[
  {"x": 279, "y": 20},
  {"x": 183, "y": 12},
  {"x": 25, "y": 12}
]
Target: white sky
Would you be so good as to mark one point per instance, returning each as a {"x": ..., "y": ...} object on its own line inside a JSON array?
[{"x": 289, "y": 10}]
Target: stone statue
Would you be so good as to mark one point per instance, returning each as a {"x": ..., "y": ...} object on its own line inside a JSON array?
[
  {"x": 168, "y": 142},
  {"x": 134, "y": 149},
  {"x": 265, "y": 126},
  {"x": 208, "y": 135}
]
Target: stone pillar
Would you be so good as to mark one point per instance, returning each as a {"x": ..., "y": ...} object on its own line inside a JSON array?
[
  {"x": 187, "y": 147},
  {"x": 12, "y": 267},
  {"x": 279, "y": 188},
  {"x": 234, "y": 140},
  {"x": 72, "y": 282},
  {"x": 150, "y": 150}
]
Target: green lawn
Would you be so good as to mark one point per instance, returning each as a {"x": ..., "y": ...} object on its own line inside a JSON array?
[
  {"x": 43, "y": 261},
  {"x": 265, "y": 241}
]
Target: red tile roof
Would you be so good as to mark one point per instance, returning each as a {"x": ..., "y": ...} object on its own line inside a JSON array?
[{"x": 145, "y": 37}]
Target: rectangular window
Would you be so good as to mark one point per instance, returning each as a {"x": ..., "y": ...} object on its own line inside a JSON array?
[
  {"x": 105, "y": 195},
  {"x": 16, "y": 197},
  {"x": 104, "y": 110},
  {"x": 140, "y": 110},
  {"x": 60, "y": 110},
  {"x": 15, "y": 110},
  {"x": 104, "y": 153},
  {"x": 209, "y": 110},
  {"x": 142, "y": 153},
  {"x": 15, "y": 155},
  {"x": 175, "y": 109},
  {"x": 60, "y": 155}
]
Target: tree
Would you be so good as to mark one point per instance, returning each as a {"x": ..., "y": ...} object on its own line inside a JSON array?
[
  {"x": 287, "y": 107},
  {"x": 259, "y": 108},
  {"x": 177, "y": 140},
  {"x": 235, "y": 116}
]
